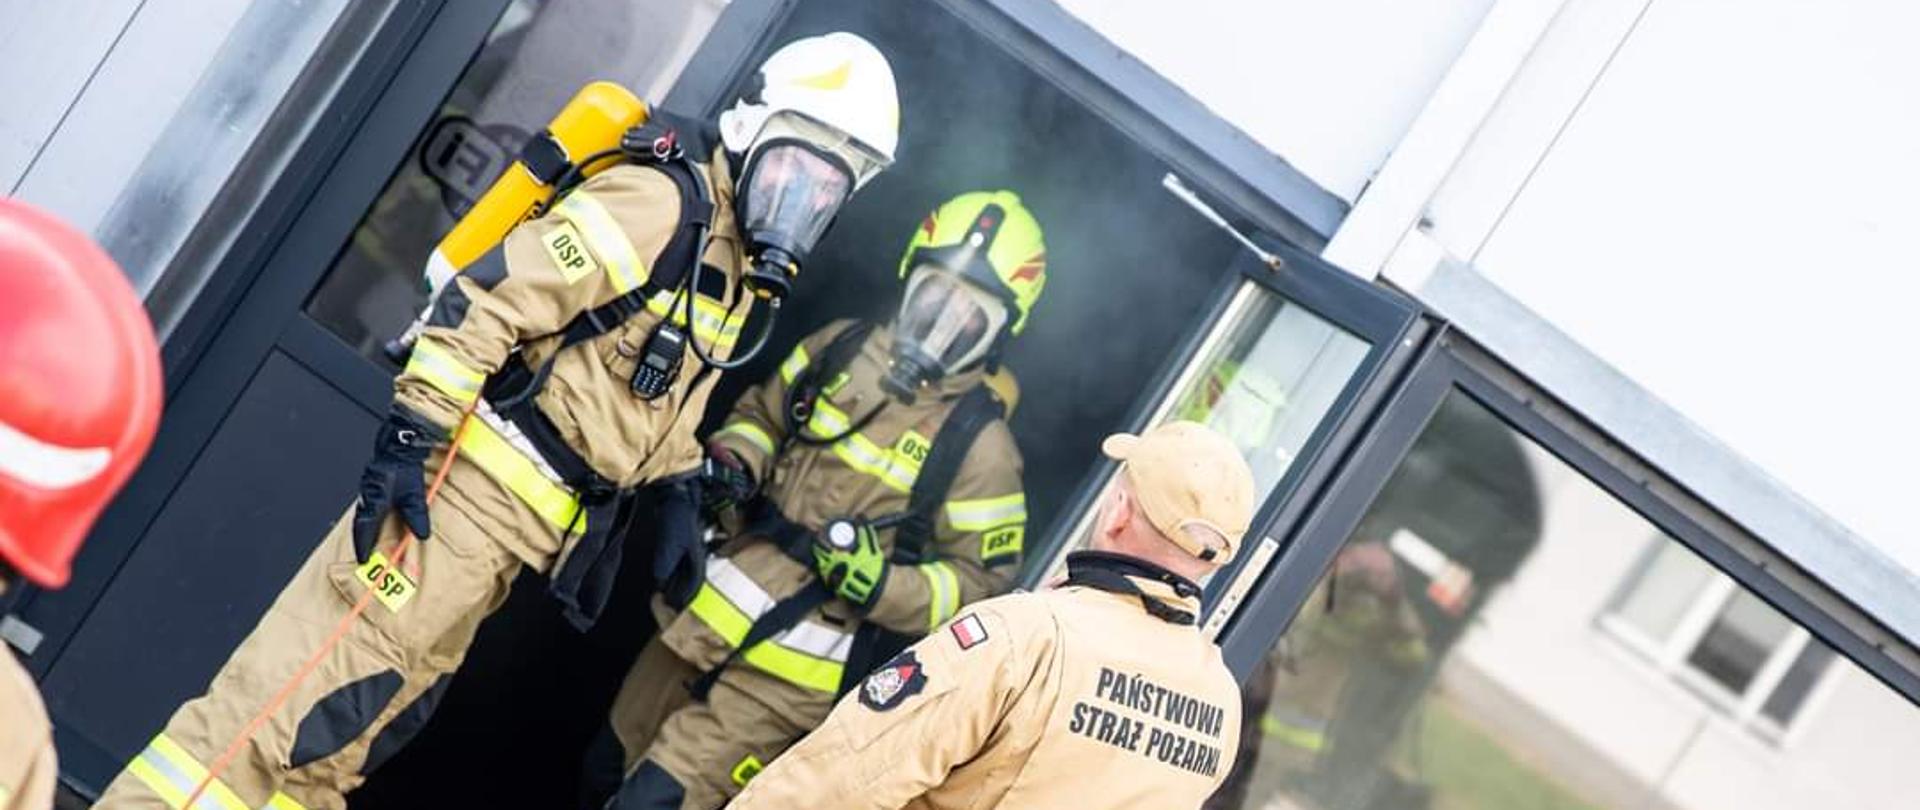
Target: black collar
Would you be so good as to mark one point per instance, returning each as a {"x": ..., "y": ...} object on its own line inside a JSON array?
[{"x": 1114, "y": 573}]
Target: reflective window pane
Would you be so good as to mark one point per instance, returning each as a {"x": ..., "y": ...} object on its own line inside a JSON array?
[
  {"x": 539, "y": 54},
  {"x": 1266, "y": 378},
  {"x": 1740, "y": 641},
  {"x": 1661, "y": 595},
  {"x": 1497, "y": 634}
]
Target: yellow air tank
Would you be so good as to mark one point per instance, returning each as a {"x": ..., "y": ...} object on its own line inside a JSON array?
[{"x": 591, "y": 123}]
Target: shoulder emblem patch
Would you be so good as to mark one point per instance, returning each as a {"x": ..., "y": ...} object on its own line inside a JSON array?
[
  {"x": 968, "y": 631},
  {"x": 893, "y": 683}
]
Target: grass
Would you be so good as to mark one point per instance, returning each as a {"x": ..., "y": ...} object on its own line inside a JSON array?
[{"x": 1469, "y": 770}]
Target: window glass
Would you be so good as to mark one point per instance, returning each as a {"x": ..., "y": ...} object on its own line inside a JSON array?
[
  {"x": 536, "y": 57},
  {"x": 1497, "y": 635},
  {"x": 1662, "y": 595},
  {"x": 1266, "y": 377},
  {"x": 1739, "y": 642}
]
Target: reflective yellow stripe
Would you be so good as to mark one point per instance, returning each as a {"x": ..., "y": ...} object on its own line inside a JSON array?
[
  {"x": 865, "y": 456},
  {"x": 791, "y": 367},
  {"x": 943, "y": 593},
  {"x": 442, "y": 370},
  {"x": 1297, "y": 736},
  {"x": 986, "y": 513},
  {"x": 281, "y": 801},
  {"x": 792, "y": 666},
  {"x": 894, "y": 468},
  {"x": 827, "y": 421},
  {"x": 516, "y": 472},
  {"x": 712, "y": 324},
  {"x": 172, "y": 774},
  {"x": 606, "y": 239},
  {"x": 751, "y": 433}
]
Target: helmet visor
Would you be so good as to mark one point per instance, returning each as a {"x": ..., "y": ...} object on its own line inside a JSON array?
[
  {"x": 947, "y": 320},
  {"x": 791, "y": 194}
]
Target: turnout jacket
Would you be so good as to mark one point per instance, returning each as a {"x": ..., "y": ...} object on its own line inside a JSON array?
[
  {"x": 977, "y": 535},
  {"x": 26, "y": 741},
  {"x": 1071, "y": 697},
  {"x": 602, "y": 240}
]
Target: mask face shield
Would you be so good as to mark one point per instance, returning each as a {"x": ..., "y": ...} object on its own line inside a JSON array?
[
  {"x": 790, "y": 194},
  {"x": 798, "y": 174},
  {"x": 945, "y": 324}
]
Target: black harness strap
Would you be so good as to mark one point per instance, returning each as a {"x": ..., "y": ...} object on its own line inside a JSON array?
[
  {"x": 795, "y": 541},
  {"x": 976, "y": 409},
  {"x": 1113, "y": 573},
  {"x": 812, "y": 383}
]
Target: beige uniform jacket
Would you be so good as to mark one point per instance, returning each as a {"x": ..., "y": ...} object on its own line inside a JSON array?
[
  {"x": 26, "y": 741},
  {"x": 978, "y": 532},
  {"x": 599, "y": 242},
  {"x": 1068, "y": 698}
]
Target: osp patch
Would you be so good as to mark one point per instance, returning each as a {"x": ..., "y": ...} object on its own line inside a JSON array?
[{"x": 893, "y": 683}]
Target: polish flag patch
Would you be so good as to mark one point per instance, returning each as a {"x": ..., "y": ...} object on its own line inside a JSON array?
[{"x": 968, "y": 631}]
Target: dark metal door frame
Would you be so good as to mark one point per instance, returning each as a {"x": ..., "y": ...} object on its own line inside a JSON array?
[
  {"x": 256, "y": 295},
  {"x": 1449, "y": 362}
]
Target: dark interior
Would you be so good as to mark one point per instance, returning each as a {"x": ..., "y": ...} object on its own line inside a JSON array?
[{"x": 1130, "y": 273}]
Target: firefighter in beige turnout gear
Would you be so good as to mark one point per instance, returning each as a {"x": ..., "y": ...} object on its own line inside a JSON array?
[
  {"x": 544, "y": 466},
  {"x": 1099, "y": 693},
  {"x": 855, "y": 422},
  {"x": 80, "y": 386}
]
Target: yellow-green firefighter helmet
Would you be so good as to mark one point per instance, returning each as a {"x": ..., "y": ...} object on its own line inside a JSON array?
[{"x": 991, "y": 239}]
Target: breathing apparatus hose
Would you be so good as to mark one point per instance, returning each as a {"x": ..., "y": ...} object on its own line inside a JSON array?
[{"x": 219, "y": 764}]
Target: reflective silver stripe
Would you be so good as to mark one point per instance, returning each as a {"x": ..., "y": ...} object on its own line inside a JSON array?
[
  {"x": 828, "y": 420},
  {"x": 811, "y": 638},
  {"x": 943, "y": 593},
  {"x": 737, "y": 587},
  {"x": 606, "y": 239},
  {"x": 817, "y": 640},
  {"x": 987, "y": 513},
  {"x": 518, "y": 441}
]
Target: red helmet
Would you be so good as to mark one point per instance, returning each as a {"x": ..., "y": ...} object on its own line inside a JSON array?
[{"x": 79, "y": 389}]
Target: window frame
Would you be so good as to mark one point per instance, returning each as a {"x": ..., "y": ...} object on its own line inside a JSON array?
[
  {"x": 1450, "y": 361},
  {"x": 1669, "y": 658}
]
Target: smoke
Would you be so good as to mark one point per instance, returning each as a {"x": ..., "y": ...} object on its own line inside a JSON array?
[{"x": 1130, "y": 269}]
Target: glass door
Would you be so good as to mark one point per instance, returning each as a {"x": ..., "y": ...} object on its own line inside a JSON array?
[
  {"x": 1277, "y": 369},
  {"x": 1505, "y": 627}
]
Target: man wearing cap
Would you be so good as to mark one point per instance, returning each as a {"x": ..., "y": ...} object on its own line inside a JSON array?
[{"x": 1098, "y": 693}]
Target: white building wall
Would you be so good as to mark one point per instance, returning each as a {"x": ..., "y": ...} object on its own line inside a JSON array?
[
  {"x": 1726, "y": 218},
  {"x": 1712, "y": 197},
  {"x": 1540, "y": 640},
  {"x": 1330, "y": 85}
]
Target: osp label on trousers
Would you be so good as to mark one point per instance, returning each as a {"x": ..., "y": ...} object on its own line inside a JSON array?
[{"x": 389, "y": 584}]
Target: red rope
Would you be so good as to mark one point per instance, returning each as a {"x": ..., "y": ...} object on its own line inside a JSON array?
[{"x": 340, "y": 630}]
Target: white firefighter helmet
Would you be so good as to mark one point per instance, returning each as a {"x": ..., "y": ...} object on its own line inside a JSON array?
[{"x": 837, "y": 82}]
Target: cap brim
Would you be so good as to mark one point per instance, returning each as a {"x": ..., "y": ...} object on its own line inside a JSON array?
[{"x": 1119, "y": 446}]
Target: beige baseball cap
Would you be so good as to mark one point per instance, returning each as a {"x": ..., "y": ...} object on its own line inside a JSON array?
[{"x": 1191, "y": 482}]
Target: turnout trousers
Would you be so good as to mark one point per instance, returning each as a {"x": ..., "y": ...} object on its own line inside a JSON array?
[
  {"x": 682, "y": 754},
  {"x": 373, "y": 690}
]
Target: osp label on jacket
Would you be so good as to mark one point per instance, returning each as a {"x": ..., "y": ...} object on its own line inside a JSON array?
[
  {"x": 569, "y": 253},
  {"x": 389, "y": 584}
]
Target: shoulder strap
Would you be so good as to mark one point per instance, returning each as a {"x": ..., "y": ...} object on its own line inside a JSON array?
[
  {"x": 819, "y": 373},
  {"x": 670, "y": 269},
  {"x": 975, "y": 410}
]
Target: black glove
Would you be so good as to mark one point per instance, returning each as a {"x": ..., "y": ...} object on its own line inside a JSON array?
[
  {"x": 395, "y": 479},
  {"x": 725, "y": 481}
]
